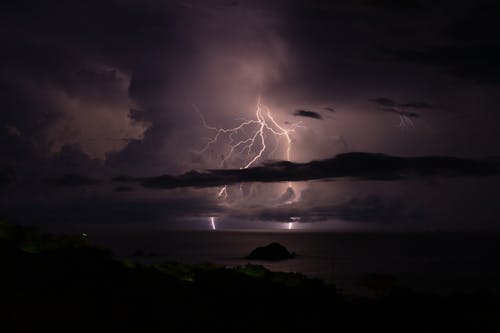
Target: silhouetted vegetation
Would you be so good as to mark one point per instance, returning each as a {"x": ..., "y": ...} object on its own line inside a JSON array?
[
  {"x": 61, "y": 283},
  {"x": 379, "y": 283}
]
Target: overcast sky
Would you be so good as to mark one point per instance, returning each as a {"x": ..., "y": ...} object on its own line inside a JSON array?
[{"x": 93, "y": 90}]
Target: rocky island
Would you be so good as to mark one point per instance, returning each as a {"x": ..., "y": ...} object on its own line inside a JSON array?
[{"x": 273, "y": 252}]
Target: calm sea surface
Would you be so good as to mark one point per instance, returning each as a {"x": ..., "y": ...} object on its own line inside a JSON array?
[{"x": 440, "y": 262}]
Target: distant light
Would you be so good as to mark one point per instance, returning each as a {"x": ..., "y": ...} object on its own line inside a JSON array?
[
  {"x": 212, "y": 220},
  {"x": 290, "y": 225},
  {"x": 84, "y": 235}
]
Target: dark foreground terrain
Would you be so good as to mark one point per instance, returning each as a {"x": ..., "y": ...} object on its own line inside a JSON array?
[{"x": 61, "y": 283}]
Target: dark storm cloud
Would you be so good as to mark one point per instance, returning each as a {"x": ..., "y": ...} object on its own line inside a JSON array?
[
  {"x": 372, "y": 209},
  {"x": 367, "y": 209},
  {"x": 388, "y": 105},
  {"x": 387, "y": 102},
  {"x": 7, "y": 176},
  {"x": 124, "y": 189},
  {"x": 365, "y": 166},
  {"x": 384, "y": 101},
  {"x": 346, "y": 42},
  {"x": 476, "y": 62},
  {"x": 307, "y": 114},
  {"x": 105, "y": 88},
  {"x": 417, "y": 105},
  {"x": 111, "y": 210},
  {"x": 146, "y": 50},
  {"x": 402, "y": 5},
  {"x": 72, "y": 180},
  {"x": 68, "y": 66},
  {"x": 230, "y": 3},
  {"x": 467, "y": 45},
  {"x": 408, "y": 114}
]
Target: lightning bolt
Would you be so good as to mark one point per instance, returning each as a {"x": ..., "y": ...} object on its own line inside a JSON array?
[
  {"x": 404, "y": 121},
  {"x": 294, "y": 219},
  {"x": 250, "y": 139}
]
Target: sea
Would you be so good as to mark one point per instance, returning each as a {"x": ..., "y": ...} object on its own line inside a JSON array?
[{"x": 440, "y": 262}]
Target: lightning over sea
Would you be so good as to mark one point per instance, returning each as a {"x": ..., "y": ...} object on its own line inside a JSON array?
[{"x": 251, "y": 141}]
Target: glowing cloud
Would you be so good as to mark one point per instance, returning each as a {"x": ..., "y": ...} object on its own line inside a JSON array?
[{"x": 250, "y": 139}]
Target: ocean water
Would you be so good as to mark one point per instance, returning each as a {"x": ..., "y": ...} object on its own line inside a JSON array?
[{"x": 433, "y": 261}]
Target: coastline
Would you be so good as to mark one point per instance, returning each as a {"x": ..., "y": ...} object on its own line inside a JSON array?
[{"x": 66, "y": 276}]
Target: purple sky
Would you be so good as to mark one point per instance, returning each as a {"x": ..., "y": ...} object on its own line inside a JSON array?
[{"x": 98, "y": 89}]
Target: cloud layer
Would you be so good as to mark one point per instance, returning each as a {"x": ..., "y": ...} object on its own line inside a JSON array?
[
  {"x": 365, "y": 166},
  {"x": 93, "y": 90}
]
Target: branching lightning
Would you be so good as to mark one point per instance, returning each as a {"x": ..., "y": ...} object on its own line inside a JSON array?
[
  {"x": 250, "y": 139},
  {"x": 249, "y": 142},
  {"x": 405, "y": 117},
  {"x": 405, "y": 120}
]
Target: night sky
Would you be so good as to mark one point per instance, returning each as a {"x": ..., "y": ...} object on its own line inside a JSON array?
[{"x": 120, "y": 113}]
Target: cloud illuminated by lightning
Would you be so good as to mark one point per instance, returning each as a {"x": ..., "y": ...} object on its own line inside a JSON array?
[{"x": 250, "y": 139}]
